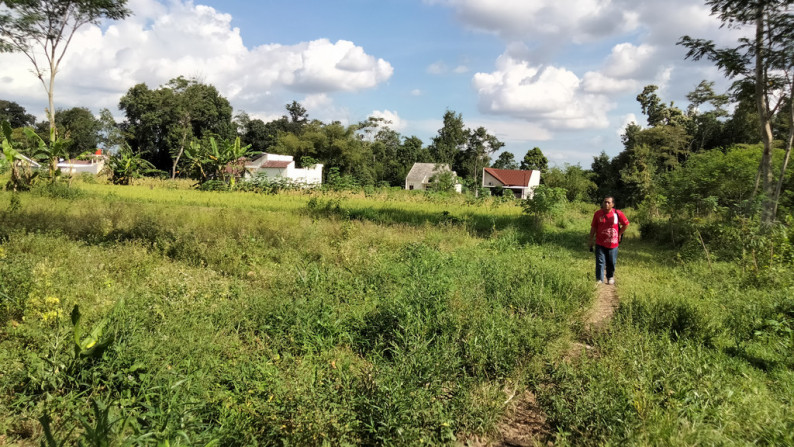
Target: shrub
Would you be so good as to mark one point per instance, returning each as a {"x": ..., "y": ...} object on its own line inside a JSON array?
[{"x": 547, "y": 202}]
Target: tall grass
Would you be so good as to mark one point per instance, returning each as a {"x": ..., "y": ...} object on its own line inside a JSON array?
[{"x": 371, "y": 318}]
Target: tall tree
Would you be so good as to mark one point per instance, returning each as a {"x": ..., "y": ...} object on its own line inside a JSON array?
[
  {"x": 36, "y": 27},
  {"x": 451, "y": 139},
  {"x": 477, "y": 154},
  {"x": 161, "y": 123},
  {"x": 80, "y": 129},
  {"x": 534, "y": 160},
  {"x": 15, "y": 114},
  {"x": 506, "y": 160},
  {"x": 766, "y": 60}
]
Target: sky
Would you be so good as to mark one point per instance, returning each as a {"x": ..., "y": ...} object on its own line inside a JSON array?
[{"x": 561, "y": 75}]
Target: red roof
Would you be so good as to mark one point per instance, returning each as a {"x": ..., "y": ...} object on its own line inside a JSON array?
[
  {"x": 510, "y": 177},
  {"x": 276, "y": 164}
]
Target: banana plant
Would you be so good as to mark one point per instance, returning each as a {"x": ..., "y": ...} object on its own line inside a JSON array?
[
  {"x": 51, "y": 153},
  {"x": 126, "y": 165},
  {"x": 211, "y": 161},
  {"x": 22, "y": 176}
]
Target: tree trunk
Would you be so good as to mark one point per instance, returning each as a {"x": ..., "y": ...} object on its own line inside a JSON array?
[
  {"x": 767, "y": 177},
  {"x": 787, "y": 157},
  {"x": 181, "y": 148}
]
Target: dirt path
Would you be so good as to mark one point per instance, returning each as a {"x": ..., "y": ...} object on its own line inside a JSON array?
[{"x": 525, "y": 422}]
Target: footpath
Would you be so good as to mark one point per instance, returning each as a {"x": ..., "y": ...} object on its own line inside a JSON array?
[{"x": 525, "y": 423}]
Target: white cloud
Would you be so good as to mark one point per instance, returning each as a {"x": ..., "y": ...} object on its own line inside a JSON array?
[
  {"x": 574, "y": 19},
  {"x": 160, "y": 42},
  {"x": 416, "y": 92},
  {"x": 437, "y": 68},
  {"x": 460, "y": 69},
  {"x": 548, "y": 96},
  {"x": 392, "y": 119},
  {"x": 625, "y": 121}
]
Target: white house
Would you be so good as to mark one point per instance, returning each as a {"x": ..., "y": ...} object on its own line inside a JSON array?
[
  {"x": 77, "y": 167},
  {"x": 283, "y": 166},
  {"x": 521, "y": 183},
  {"x": 421, "y": 175}
]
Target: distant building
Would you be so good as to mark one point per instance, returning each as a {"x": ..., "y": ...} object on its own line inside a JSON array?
[
  {"x": 421, "y": 176},
  {"x": 283, "y": 166},
  {"x": 521, "y": 183},
  {"x": 76, "y": 167}
]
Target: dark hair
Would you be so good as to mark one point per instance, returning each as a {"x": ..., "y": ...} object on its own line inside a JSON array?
[{"x": 610, "y": 197}]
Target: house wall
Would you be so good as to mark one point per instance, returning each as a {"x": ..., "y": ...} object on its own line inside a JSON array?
[
  {"x": 415, "y": 185},
  {"x": 309, "y": 176},
  {"x": 76, "y": 169},
  {"x": 489, "y": 180}
]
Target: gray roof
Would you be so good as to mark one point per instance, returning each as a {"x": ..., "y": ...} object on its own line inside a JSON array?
[
  {"x": 421, "y": 172},
  {"x": 32, "y": 163}
]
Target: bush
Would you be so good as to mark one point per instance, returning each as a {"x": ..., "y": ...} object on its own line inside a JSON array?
[{"x": 547, "y": 202}]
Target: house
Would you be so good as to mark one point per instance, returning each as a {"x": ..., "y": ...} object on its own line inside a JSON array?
[
  {"x": 76, "y": 167},
  {"x": 421, "y": 175},
  {"x": 283, "y": 166},
  {"x": 522, "y": 183}
]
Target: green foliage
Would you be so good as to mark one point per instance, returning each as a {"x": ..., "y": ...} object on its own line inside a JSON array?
[
  {"x": 547, "y": 202},
  {"x": 49, "y": 153},
  {"x": 714, "y": 180},
  {"x": 22, "y": 176},
  {"x": 217, "y": 160},
  {"x": 574, "y": 180},
  {"x": 506, "y": 160},
  {"x": 79, "y": 129},
  {"x": 161, "y": 123},
  {"x": 15, "y": 114},
  {"x": 535, "y": 160},
  {"x": 126, "y": 165},
  {"x": 444, "y": 181},
  {"x": 336, "y": 181}
]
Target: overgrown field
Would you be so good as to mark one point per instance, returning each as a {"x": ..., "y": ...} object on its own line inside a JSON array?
[{"x": 384, "y": 318}]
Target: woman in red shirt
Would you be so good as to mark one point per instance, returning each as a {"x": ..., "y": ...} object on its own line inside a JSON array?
[{"x": 607, "y": 227}]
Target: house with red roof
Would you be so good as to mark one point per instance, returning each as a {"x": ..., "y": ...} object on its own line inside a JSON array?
[
  {"x": 521, "y": 183},
  {"x": 283, "y": 166}
]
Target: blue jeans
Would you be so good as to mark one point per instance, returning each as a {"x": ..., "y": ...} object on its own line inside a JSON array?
[{"x": 608, "y": 256}]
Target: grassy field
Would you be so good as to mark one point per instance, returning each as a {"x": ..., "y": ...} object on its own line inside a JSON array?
[{"x": 383, "y": 318}]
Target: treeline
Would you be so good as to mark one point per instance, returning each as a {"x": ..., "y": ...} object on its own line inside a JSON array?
[
  {"x": 161, "y": 125},
  {"x": 698, "y": 159}
]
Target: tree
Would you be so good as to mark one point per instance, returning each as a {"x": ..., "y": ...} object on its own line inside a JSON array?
[
  {"x": 706, "y": 128},
  {"x": 451, "y": 139},
  {"x": 79, "y": 128},
  {"x": 15, "y": 114},
  {"x": 767, "y": 61},
  {"x": 110, "y": 135},
  {"x": 605, "y": 177},
  {"x": 573, "y": 179},
  {"x": 534, "y": 160},
  {"x": 506, "y": 160},
  {"x": 47, "y": 26},
  {"x": 477, "y": 154},
  {"x": 161, "y": 123}
]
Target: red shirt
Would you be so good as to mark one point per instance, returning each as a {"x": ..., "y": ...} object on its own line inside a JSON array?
[{"x": 607, "y": 226}]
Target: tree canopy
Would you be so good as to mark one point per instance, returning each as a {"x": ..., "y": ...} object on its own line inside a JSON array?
[{"x": 47, "y": 26}]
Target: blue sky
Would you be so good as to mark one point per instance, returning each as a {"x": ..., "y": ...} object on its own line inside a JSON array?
[{"x": 560, "y": 75}]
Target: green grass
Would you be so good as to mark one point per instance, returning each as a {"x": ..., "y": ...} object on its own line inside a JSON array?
[{"x": 346, "y": 319}]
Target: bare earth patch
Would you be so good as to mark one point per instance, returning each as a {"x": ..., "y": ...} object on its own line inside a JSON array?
[
  {"x": 525, "y": 423},
  {"x": 603, "y": 309}
]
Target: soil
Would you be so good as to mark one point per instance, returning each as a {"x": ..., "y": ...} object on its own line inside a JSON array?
[{"x": 525, "y": 423}]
